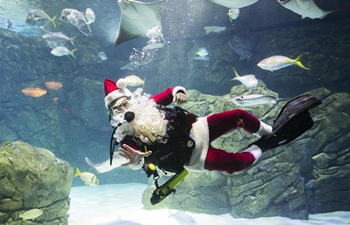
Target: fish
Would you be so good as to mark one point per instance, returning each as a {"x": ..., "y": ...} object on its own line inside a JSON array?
[
  {"x": 8, "y": 23},
  {"x": 256, "y": 99},
  {"x": 202, "y": 52},
  {"x": 57, "y": 37},
  {"x": 134, "y": 65},
  {"x": 233, "y": 13},
  {"x": 89, "y": 178},
  {"x": 202, "y": 58},
  {"x": 305, "y": 8},
  {"x": 248, "y": 80},
  {"x": 133, "y": 81},
  {"x": 90, "y": 16},
  {"x": 76, "y": 18},
  {"x": 55, "y": 100},
  {"x": 153, "y": 46},
  {"x": 234, "y": 3},
  {"x": 31, "y": 214},
  {"x": 277, "y": 62},
  {"x": 183, "y": 218},
  {"x": 105, "y": 166},
  {"x": 34, "y": 92},
  {"x": 241, "y": 47},
  {"x": 61, "y": 51},
  {"x": 137, "y": 18},
  {"x": 53, "y": 85},
  {"x": 102, "y": 56},
  {"x": 39, "y": 18},
  {"x": 214, "y": 29}
]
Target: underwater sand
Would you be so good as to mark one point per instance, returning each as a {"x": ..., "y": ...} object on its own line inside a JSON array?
[{"x": 120, "y": 204}]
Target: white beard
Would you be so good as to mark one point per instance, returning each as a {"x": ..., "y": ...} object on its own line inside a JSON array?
[{"x": 148, "y": 119}]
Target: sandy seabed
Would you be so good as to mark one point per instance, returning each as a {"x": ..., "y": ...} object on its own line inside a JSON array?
[{"x": 120, "y": 204}]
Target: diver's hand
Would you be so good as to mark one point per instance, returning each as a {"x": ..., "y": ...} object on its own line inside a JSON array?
[
  {"x": 134, "y": 156},
  {"x": 180, "y": 98}
]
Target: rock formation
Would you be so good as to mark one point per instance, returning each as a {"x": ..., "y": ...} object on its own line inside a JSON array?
[{"x": 33, "y": 178}]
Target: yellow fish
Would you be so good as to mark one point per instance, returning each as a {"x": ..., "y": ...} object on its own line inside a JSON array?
[
  {"x": 87, "y": 177},
  {"x": 133, "y": 80},
  {"x": 278, "y": 62},
  {"x": 31, "y": 214}
]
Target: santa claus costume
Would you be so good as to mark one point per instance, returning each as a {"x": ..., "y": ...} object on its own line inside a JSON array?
[{"x": 204, "y": 130}]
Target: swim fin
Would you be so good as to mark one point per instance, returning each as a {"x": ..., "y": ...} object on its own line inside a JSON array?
[{"x": 293, "y": 120}]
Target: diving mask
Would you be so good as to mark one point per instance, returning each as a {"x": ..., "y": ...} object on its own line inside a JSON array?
[{"x": 120, "y": 107}]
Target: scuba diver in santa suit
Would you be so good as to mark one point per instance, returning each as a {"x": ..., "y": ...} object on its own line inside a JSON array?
[{"x": 152, "y": 135}]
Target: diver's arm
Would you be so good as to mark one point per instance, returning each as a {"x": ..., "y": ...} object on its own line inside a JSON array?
[{"x": 170, "y": 95}]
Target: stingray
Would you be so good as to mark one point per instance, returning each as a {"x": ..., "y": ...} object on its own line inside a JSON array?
[
  {"x": 137, "y": 18},
  {"x": 105, "y": 166},
  {"x": 234, "y": 3},
  {"x": 305, "y": 8}
]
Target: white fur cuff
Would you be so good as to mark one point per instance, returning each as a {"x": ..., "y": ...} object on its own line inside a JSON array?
[
  {"x": 255, "y": 151},
  {"x": 177, "y": 89}
]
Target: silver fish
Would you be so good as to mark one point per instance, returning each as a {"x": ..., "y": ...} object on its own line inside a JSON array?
[
  {"x": 134, "y": 65},
  {"x": 90, "y": 16},
  {"x": 233, "y": 13},
  {"x": 75, "y": 18},
  {"x": 153, "y": 46},
  {"x": 256, "y": 99},
  {"x": 57, "y": 37},
  {"x": 202, "y": 52},
  {"x": 214, "y": 29},
  {"x": 102, "y": 56},
  {"x": 183, "y": 218},
  {"x": 248, "y": 80},
  {"x": 31, "y": 214},
  {"x": 38, "y": 18},
  {"x": 61, "y": 51},
  {"x": 202, "y": 58}
]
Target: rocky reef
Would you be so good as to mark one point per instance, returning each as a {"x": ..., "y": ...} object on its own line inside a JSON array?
[{"x": 33, "y": 178}]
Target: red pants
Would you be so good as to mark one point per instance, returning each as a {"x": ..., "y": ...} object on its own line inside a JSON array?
[{"x": 221, "y": 123}]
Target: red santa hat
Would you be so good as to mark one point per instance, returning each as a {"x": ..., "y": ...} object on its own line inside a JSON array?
[{"x": 115, "y": 90}]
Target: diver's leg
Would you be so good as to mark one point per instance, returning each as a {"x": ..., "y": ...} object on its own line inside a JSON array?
[
  {"x": 220, "y": 160},
  {"x": 221, "y": 123}
]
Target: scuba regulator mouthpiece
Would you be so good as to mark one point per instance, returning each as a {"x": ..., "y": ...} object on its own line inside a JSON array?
[{"x": 129, "y": 116}]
